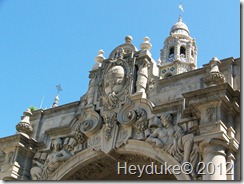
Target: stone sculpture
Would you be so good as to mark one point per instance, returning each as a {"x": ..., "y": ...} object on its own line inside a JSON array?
[
  {"x": 58, "y": 155},
  {"x": 172, "y": 139}
]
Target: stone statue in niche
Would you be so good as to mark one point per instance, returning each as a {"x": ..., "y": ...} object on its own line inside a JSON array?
[
  {"x": 173, "y": 140},
  {"x": 114, "y": 82}
]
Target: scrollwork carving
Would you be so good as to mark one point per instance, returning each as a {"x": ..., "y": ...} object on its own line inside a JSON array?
[{"x": 91, "y": 124}]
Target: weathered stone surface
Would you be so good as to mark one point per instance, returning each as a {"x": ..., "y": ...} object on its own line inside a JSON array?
[{"x": 133, "y": 113}]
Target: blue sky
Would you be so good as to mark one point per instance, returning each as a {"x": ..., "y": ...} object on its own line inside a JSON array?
[{"x": 44, "y": 43}]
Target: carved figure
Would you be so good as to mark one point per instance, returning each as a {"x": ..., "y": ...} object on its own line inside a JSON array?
[
  {"x": 55, "y": 158},
  {"x": 36, "y": 171},
  {"x": 119, "y": 53},
  {"x": 114, "y": 83},
  {"x": 38, "y": 162},
  {"x": 173, "y": 140},
  {"x": 114, "y": 80}
]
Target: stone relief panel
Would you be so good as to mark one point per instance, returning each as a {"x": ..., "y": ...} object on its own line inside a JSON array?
[
  {"x": 173, "y": 140},
  {"x": 114, "y": 81},
  {"x": 45, "y": 163}
]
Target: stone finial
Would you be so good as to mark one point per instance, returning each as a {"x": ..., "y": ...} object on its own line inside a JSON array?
[
  {"x": 146, "y": 45},
  {"x": 214, "y": 77},
  {"x": 55, "y": 103},
  {"x": 99, "y": 58},
  {"x": 24, "y": 125},
  {"x": 159, "y": 61},
  {"x": 128, "y": 39}
]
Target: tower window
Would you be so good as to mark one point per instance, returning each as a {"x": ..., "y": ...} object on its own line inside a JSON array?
[
  {"x": 192, "y": 53},
  {"x": 182, "y": 52},
  {"x": 171, "y": 53}
]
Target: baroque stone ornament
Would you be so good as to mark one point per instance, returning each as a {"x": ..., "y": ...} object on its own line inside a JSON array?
[
  {"x": 91, "y": 90},
  {"x": 214, "y": 77},
  {"x": 141, "y": 123},
  {"x": 24, "y": 125},
  {"x": 90, "y": 123},
  {"x": 142, "y": 77},
  {"x": 109, "y": 132},
  {"x": 80, "y": 136},
  {"x": 45, "y": 164},
  {"x": 146, "y": 45},
  {"x": 109, "y": 121},
  {"x": 172, "y": 139}
]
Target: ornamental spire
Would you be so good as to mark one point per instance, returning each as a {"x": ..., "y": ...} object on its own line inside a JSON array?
[
  {"x": 181, "y": 11},
  {"x": 55, "y": 103}
]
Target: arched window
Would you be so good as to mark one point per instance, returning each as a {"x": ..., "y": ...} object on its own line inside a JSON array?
[
  {"x": 172, "y": 50},
  {"x": 171, "y": 53},
  {"x": 182, "y": 51}
]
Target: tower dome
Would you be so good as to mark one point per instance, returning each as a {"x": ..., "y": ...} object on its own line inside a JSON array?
[
  {"x": 179, "y": 53},
  {"x": 180, "y": 28}
]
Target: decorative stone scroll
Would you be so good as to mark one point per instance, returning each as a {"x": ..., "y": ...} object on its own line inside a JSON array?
[{"x": 89, "y": 124}]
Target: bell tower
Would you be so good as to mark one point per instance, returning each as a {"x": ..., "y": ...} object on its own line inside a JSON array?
[{"x": 179, "y": 53}]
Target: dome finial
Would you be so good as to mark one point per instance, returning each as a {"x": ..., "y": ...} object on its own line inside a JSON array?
[
  {"x": 181, "y": 10},
  {"x": 55, "y": 103},
  {"x": 180, "y": 18}
]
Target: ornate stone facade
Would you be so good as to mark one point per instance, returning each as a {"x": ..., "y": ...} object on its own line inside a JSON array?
[{"x": 130, "y": 114}]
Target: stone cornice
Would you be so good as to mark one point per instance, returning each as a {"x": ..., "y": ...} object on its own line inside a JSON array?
[
  {"x": 16, "y": 140},
  {"x": 173, "y": 104},
  {"x": 193, "y": 73},
  {"x": 57, "y": 109},
  {"x": 211, "y": 93}
]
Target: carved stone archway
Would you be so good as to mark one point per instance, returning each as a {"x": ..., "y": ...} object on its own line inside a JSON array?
[{"x": 89, "y": 163}]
